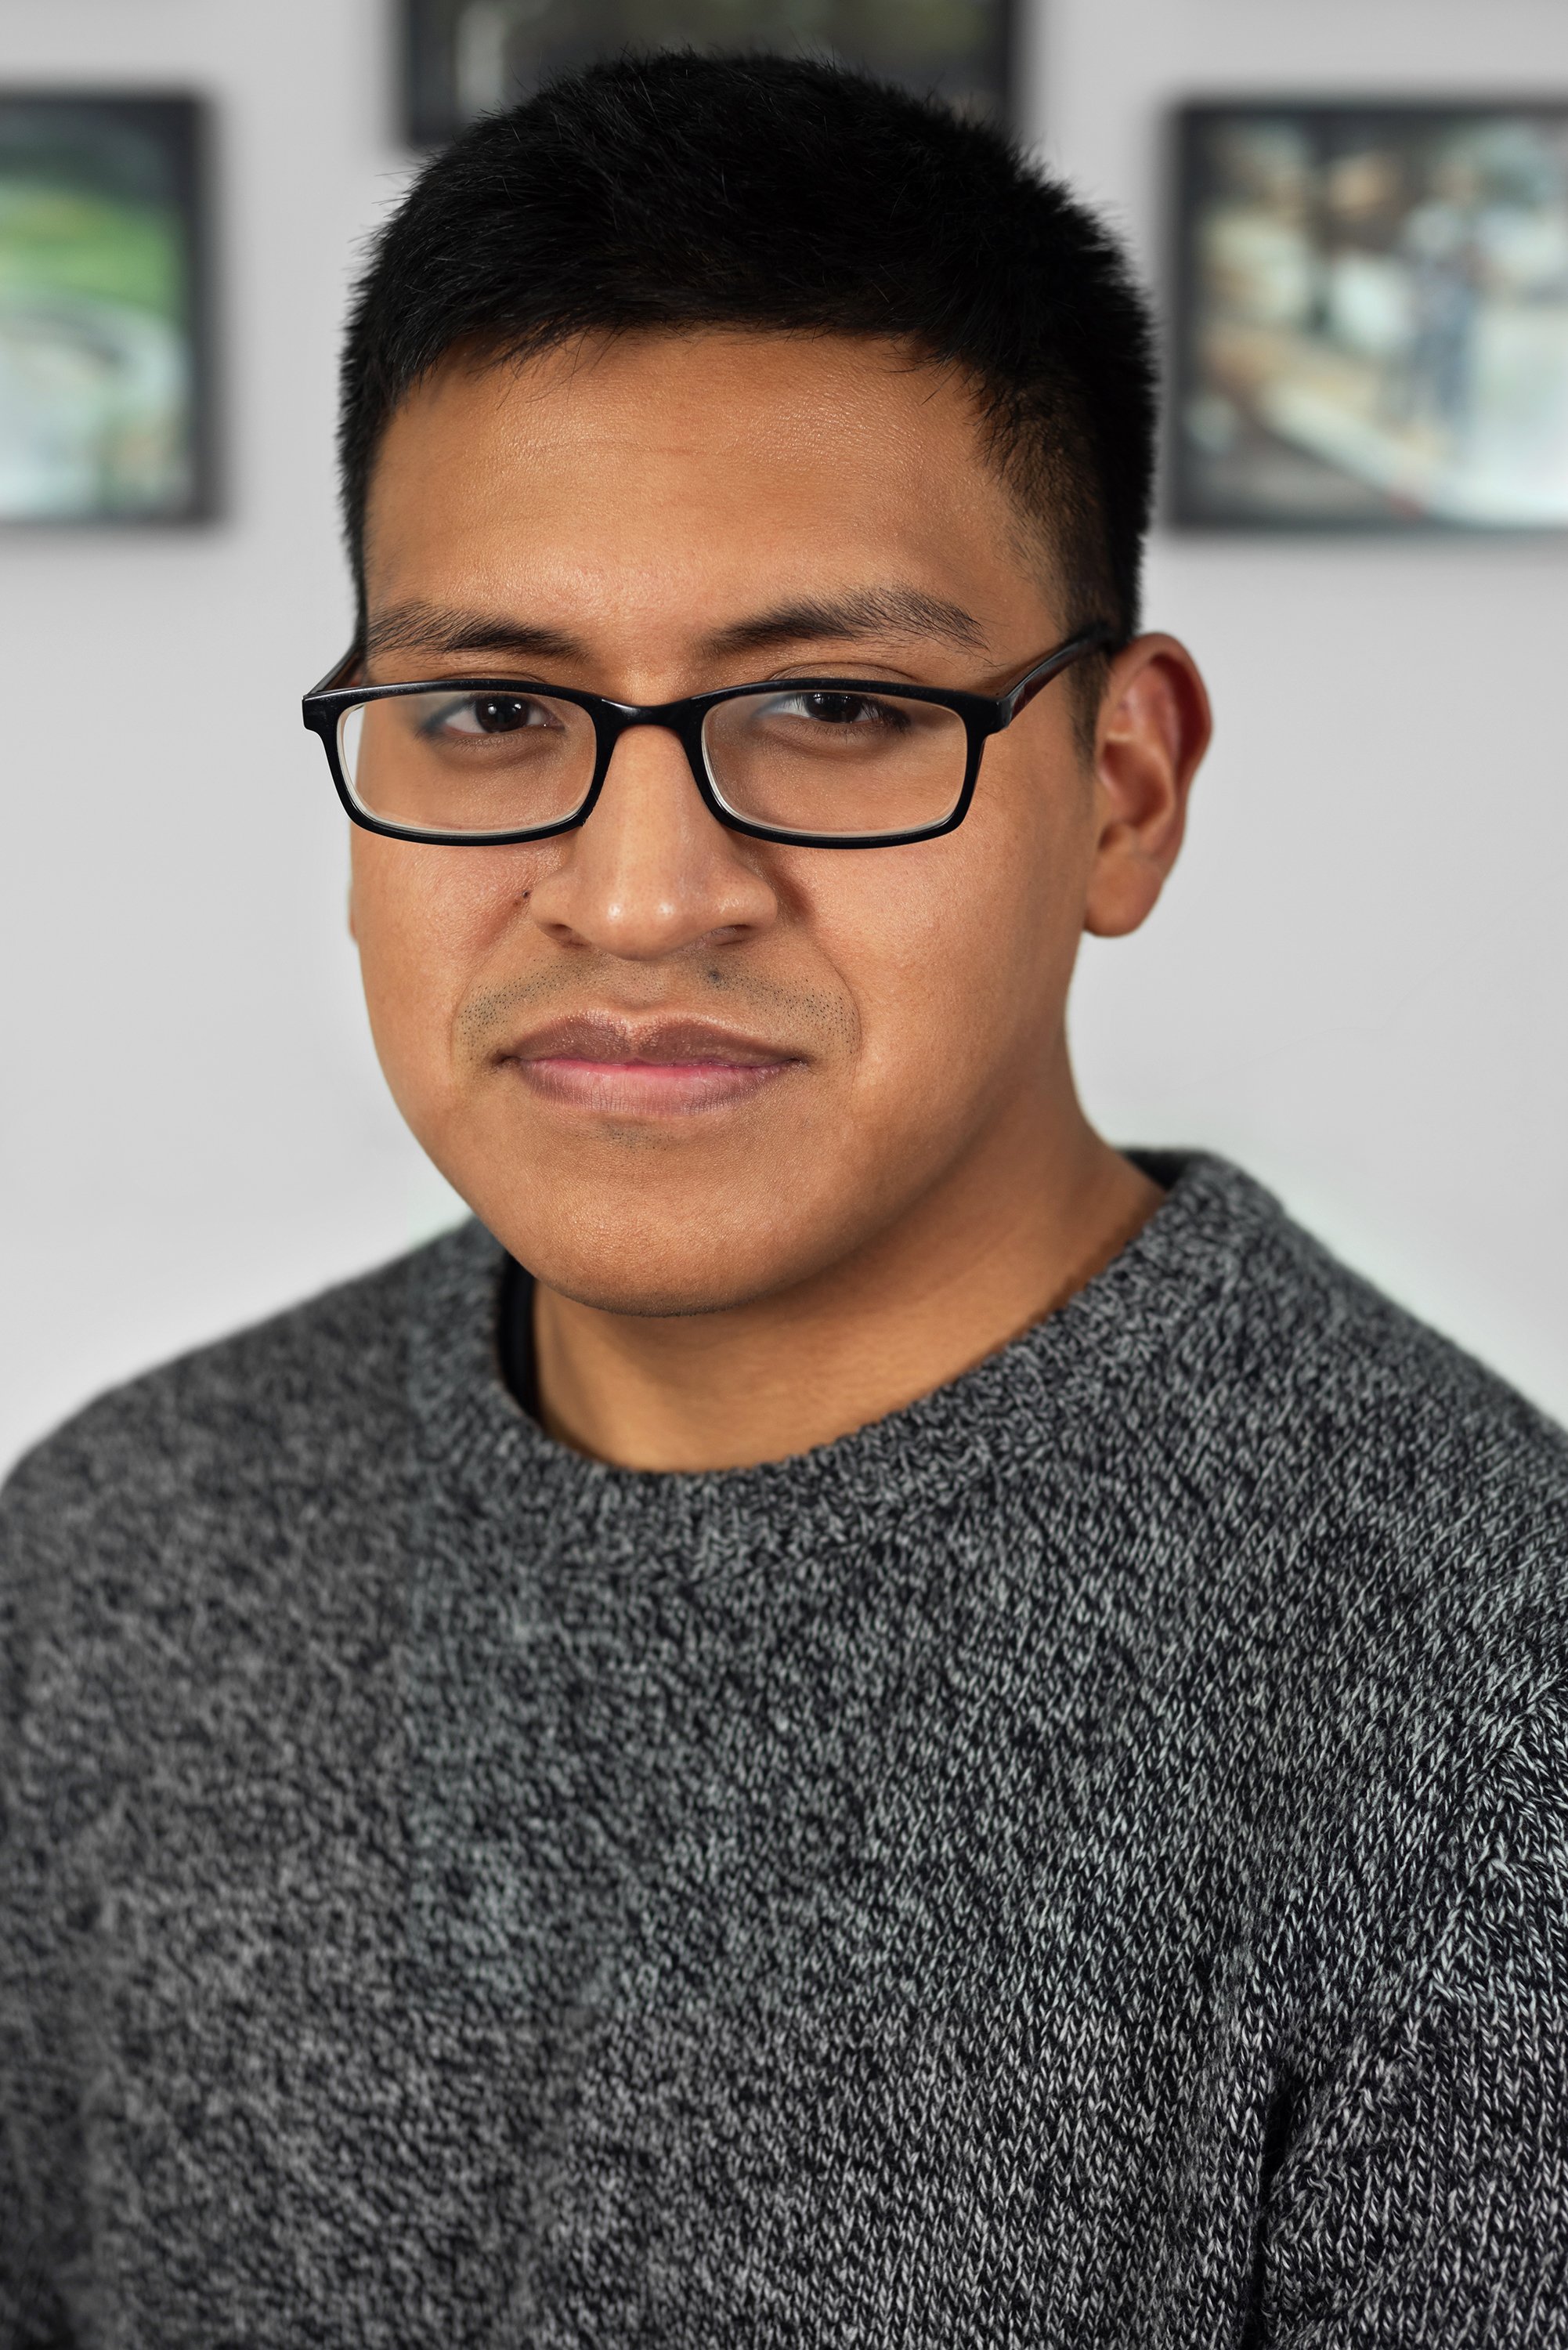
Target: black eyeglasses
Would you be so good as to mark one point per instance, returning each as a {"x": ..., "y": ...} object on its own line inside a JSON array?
[{"x": 825, "y": 762}]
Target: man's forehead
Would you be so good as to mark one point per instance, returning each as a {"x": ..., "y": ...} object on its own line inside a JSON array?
[
  {"x": 768, "y": 370},
  {"x": 711, "y": 415},
  {"x": 737, "y": 473}
]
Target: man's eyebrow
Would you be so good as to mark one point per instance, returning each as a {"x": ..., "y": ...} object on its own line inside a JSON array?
[
  {"x": 856, "y": 613},
  {"x": 859, "y": 612},
  {"x": 420, "y": 627}
]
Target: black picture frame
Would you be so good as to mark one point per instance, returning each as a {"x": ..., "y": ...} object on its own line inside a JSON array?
[
  {"x": 107, "y": 375},
  {"x": 464, "y": 57},
  {"x": 1369, "y": 315}
]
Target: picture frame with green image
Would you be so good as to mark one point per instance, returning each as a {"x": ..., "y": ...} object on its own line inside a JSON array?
[
  {"x": 467, "y": 57},
  {"x": 106, "y": 391}
]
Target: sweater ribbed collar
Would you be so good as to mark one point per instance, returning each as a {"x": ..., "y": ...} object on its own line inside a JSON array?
[{"x": 1089, "y": 1356}]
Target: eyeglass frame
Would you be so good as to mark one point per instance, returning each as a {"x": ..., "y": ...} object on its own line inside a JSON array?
[{"x": 983, "y": 715}]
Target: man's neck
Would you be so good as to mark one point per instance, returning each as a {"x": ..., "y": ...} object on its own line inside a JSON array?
[{"x": 972, "y": 1266}]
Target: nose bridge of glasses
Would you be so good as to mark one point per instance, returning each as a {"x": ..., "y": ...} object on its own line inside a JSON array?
[{"x": 682, "y": 719}]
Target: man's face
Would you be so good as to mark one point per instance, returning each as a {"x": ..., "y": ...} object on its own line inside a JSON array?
[{"x": 673, "y": 1068}]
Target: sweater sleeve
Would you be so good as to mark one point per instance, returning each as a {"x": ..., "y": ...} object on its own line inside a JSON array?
[
  {"x": 31, "y": 2317},
  {"x": 35, "y": 2094},
  {"x": 1423, "y": 2198}
]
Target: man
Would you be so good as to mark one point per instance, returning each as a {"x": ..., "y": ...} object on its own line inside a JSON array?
[{"x": 851, "y": 1718}]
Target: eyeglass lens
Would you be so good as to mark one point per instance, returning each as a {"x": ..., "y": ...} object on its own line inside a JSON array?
[
  {"x": 797, "y": 759},
  {"x": 468, "y": 762}
]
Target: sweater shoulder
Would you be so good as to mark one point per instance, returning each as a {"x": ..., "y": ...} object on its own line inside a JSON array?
[
  {"x": 262, "y": 1408},
  {"x": 257, "y": 1479},
  {"x": 1372, "y": 1381},
  {"x": 1380, "y": 1457}
]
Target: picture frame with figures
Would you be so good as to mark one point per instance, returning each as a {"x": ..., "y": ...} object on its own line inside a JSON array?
[{"x": 1371, "y": 316}]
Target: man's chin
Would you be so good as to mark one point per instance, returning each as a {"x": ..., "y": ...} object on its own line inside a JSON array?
[
  {"x": 653, "y": 1290},
  {"x": 655, "y": 1304},
  {"x": 649, "y": 1236},
  {"x": 640, "y": 1267}
]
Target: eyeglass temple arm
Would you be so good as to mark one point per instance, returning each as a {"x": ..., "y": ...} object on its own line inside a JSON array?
[
  {"x": 339, "y": 674},
  {"x": 1088, "y": 640}
]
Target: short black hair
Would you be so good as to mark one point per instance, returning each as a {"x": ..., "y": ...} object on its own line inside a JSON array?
[{"x": 679, "y": 191}]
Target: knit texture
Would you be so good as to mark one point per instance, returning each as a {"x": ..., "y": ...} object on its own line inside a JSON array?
[{"x": 1079, "y": 1862}]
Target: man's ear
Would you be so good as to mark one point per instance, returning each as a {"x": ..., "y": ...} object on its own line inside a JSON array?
[{"x": 1153, "y": 729}]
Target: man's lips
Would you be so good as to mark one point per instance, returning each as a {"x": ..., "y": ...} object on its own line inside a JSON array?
[{"x": 630, "y": 1068}]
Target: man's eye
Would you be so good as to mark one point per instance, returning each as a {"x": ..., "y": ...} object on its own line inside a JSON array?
[
  {"x": 486, "y": 714},
  {"x": 838, "y": 708}
]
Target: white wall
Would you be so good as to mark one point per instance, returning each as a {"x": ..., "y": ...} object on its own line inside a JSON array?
[
  {"x": 1356, "y": 985},
  {"x": 193, "y": 1128}
]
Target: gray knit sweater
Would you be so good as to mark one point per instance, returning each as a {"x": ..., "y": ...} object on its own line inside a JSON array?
[{"x": 1081, "y": 1861}]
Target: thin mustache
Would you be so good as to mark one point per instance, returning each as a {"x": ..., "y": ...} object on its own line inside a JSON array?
[
  {"x": 493, "y": 1016},
  {"x": 607, "y": 1037}
]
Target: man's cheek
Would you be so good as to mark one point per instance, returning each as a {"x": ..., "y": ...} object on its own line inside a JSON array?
[{"x": 410, "y": 999}]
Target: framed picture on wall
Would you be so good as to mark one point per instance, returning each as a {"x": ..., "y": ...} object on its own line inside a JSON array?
[
  {"x": 466, "y": 58},
  {"x": 1372, "y": 316},
  {"x": 105, "y": 390}
]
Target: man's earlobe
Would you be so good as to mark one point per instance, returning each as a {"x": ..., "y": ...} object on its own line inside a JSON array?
[{"x": 1153, "y": 729}]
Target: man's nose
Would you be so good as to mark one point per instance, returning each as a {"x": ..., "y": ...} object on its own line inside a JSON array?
[{"x": 652, "y": 872}]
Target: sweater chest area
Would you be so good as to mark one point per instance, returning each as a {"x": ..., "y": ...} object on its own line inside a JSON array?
[
  {"x": 557, "y": 2065},
  {"x": 506, "y": 1952}
]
